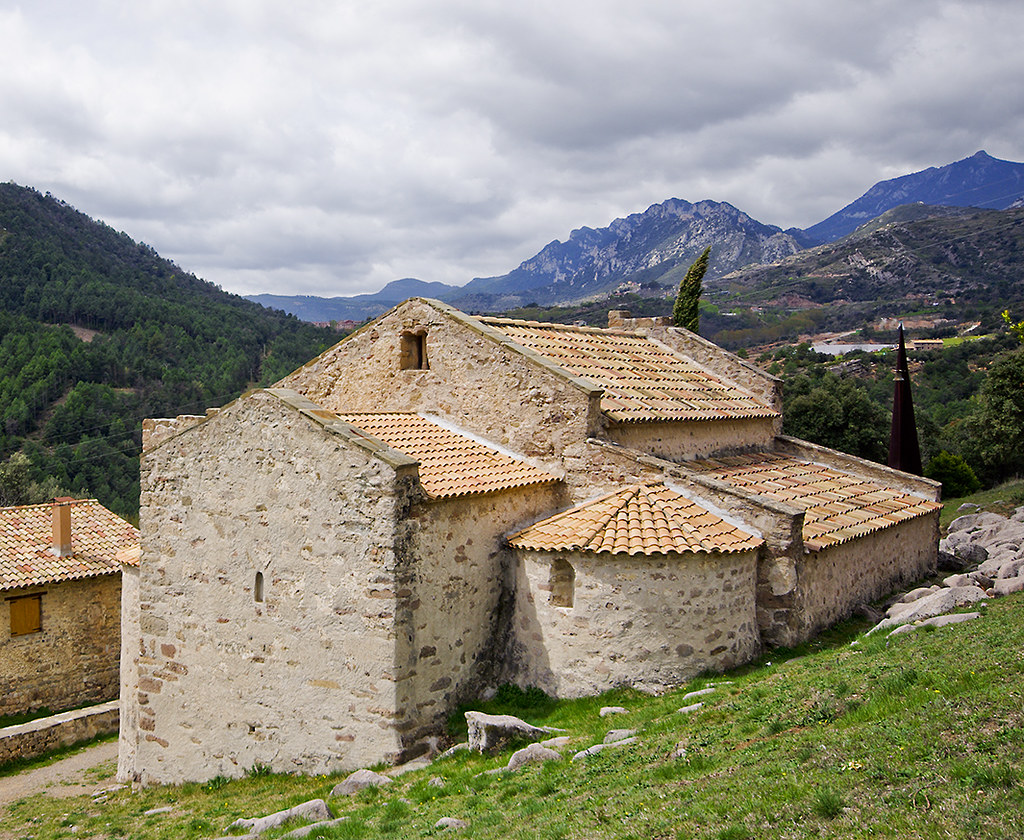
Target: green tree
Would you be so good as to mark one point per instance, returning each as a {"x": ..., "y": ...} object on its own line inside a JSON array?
[
  {"x": 994, "y": 434},
  {"x": 685, "y": 311},
  {"x": 836, "y": 413},
  {"x": 17, "y": 486},
  {"x": 957, "y": 477}
]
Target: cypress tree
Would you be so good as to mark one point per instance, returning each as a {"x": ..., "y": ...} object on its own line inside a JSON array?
[{"x": 685, "y": 312}]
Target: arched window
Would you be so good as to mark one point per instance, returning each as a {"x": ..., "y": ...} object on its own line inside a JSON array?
[
  {"x": 257, "y": 590},
  {"x": 562, "y": 582}
]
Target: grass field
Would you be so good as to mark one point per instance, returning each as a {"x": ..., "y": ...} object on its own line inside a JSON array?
[
  {"x": 920, "y": 737},
  {"x": 848, "y": 736}
]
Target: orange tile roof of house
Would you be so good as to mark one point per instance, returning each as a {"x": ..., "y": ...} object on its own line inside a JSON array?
[
  {"x": 26, "y": 539},
  {"x": 641, "y": 519},
  {"x": 642, "y": 379},
  {"x": 839, "y": 506},
  {"x": 451, "y": 464}
]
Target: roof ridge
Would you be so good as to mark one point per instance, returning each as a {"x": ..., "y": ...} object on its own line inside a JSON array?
[
  {"x": 493, "y": 319},
  {"x": 628, "y": 494},
  {"x": 47, "y": 505}
]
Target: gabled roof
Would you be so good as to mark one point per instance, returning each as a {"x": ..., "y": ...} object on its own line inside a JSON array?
[
  {"x": 641, "y": 519},
  {"x": 839, "y": 506},
  {"x": 642, "y": 379},
  {"x": 451, "y": 464},
  {"x": 26, "y": 537}
]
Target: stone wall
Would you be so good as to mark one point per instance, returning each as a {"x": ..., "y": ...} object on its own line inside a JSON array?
[
  {"x": 27, "y": 740},
  {"x": 646, "y": 621},
  {"x": 687, "y": 441},
  {"x": 303, "y": 680},
  {"x": 833, "y": 581},
  {"x": 475, "y": 380},
  {"x": 73, "y": 659},
  {"x": 128, "y": 730},
  {"x": 451, "y": 638}
]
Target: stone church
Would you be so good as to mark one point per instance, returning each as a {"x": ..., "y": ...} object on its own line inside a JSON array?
[{"x": 443, "y": 502}]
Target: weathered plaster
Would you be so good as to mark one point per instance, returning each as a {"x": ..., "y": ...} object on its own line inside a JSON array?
[
  {"x": 475, "y": 378},
  {"x": 647, "y": 621},
  {"x": 304, "y": 680}
]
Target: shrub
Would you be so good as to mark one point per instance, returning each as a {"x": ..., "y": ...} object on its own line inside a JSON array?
[{"x": 957, "y": 477}]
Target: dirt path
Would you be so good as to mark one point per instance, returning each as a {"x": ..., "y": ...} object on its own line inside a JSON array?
[{"x": 68, "y": 777}]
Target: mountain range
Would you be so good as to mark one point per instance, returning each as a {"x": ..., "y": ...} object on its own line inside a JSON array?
[{"x": 651, "y": 250}]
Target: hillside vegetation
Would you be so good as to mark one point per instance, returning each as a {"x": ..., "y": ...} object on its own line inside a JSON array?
[
  {"x": 920, "y": 736},
  {"x": 97, "y": 332}
]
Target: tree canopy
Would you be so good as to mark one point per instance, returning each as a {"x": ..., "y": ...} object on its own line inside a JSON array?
[{"x": 98, "y": 332}]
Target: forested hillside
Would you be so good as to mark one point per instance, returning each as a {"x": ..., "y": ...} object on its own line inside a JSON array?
[{"x": 98, "y": 332}]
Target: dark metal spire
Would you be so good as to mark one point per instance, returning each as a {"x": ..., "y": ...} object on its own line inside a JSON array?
[{"x": 904, "y": 452}]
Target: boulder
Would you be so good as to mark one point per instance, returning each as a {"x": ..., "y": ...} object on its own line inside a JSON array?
[
  {"x": 532, "y": 754},
  {"x": 916, "y": 594},
  {"x": 556, "y": 742},
  {"x": 489, "y": 731},
  {"x": 700, "y": 693},
  {"x": 599, "y": 747},
  {"x": 972, "y": 553},
  {"x": 1007, "y": 586},
  {"x": 949, "y": 562},
  {"x": 451, "y": 822},
  {"x": 991, "y": 567},
  {"x": 1011, "y": 568},
  {"x": 359, "y": 780},
  {"x": 315, "y": 810},
  {"x": 938, "y": 603},
  {"x": 306, "y": 830},
  {"x": 957, "y": 580},
  {"x": 937, "y": 621},
  {"x": 978, "y": 579},
  {"x": 612, "y": 710},
  {"x": 618, "y": 735},
  {"x": 685, "y": 710},
  {"x": 974, "y": 522}
]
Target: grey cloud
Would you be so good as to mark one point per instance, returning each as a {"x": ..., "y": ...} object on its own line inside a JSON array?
[{"x": 329, "y": 148}]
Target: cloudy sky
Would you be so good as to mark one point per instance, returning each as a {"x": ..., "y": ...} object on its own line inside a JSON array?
[{"x": 328, "y": 147}]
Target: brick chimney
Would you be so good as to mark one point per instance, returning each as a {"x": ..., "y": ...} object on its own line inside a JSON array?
[{"x": 62, "y": 526}]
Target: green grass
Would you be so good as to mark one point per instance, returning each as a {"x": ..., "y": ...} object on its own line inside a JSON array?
[{"x": 920, "y": 737}]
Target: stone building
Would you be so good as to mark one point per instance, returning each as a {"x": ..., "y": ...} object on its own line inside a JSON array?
[
  {"x": 60, "y": 610},
  {"x": 443, "y": 502}
]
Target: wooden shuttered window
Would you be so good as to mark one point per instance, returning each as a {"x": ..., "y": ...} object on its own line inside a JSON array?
[{"x": 26, "y": 615}]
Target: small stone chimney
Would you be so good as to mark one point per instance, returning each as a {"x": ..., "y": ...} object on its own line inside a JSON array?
[{"x": 62, "y": 526}]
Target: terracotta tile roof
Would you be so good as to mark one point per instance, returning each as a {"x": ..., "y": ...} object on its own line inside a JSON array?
[
  {"x": 26, "y": 537},
  {"x": 642, "y": 519},
  {"x": 839, "y": 506},
  {"x": 451, "y": 464},
  {"x": 642, "y": 379}
]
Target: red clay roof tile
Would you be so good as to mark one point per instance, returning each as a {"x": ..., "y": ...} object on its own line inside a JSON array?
[
  {"x": 641, "y": 519},
  {"x": 451, "y": 464},
  {"x": 26, "y": 539},
  {"x": 839, "y": 507},
  {"x": 642, "y": 379}
]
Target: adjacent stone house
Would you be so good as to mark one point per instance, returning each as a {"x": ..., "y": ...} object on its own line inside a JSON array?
[
  {"x": 60, "y": 593},
  {"x": 443, "y": 502}
]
